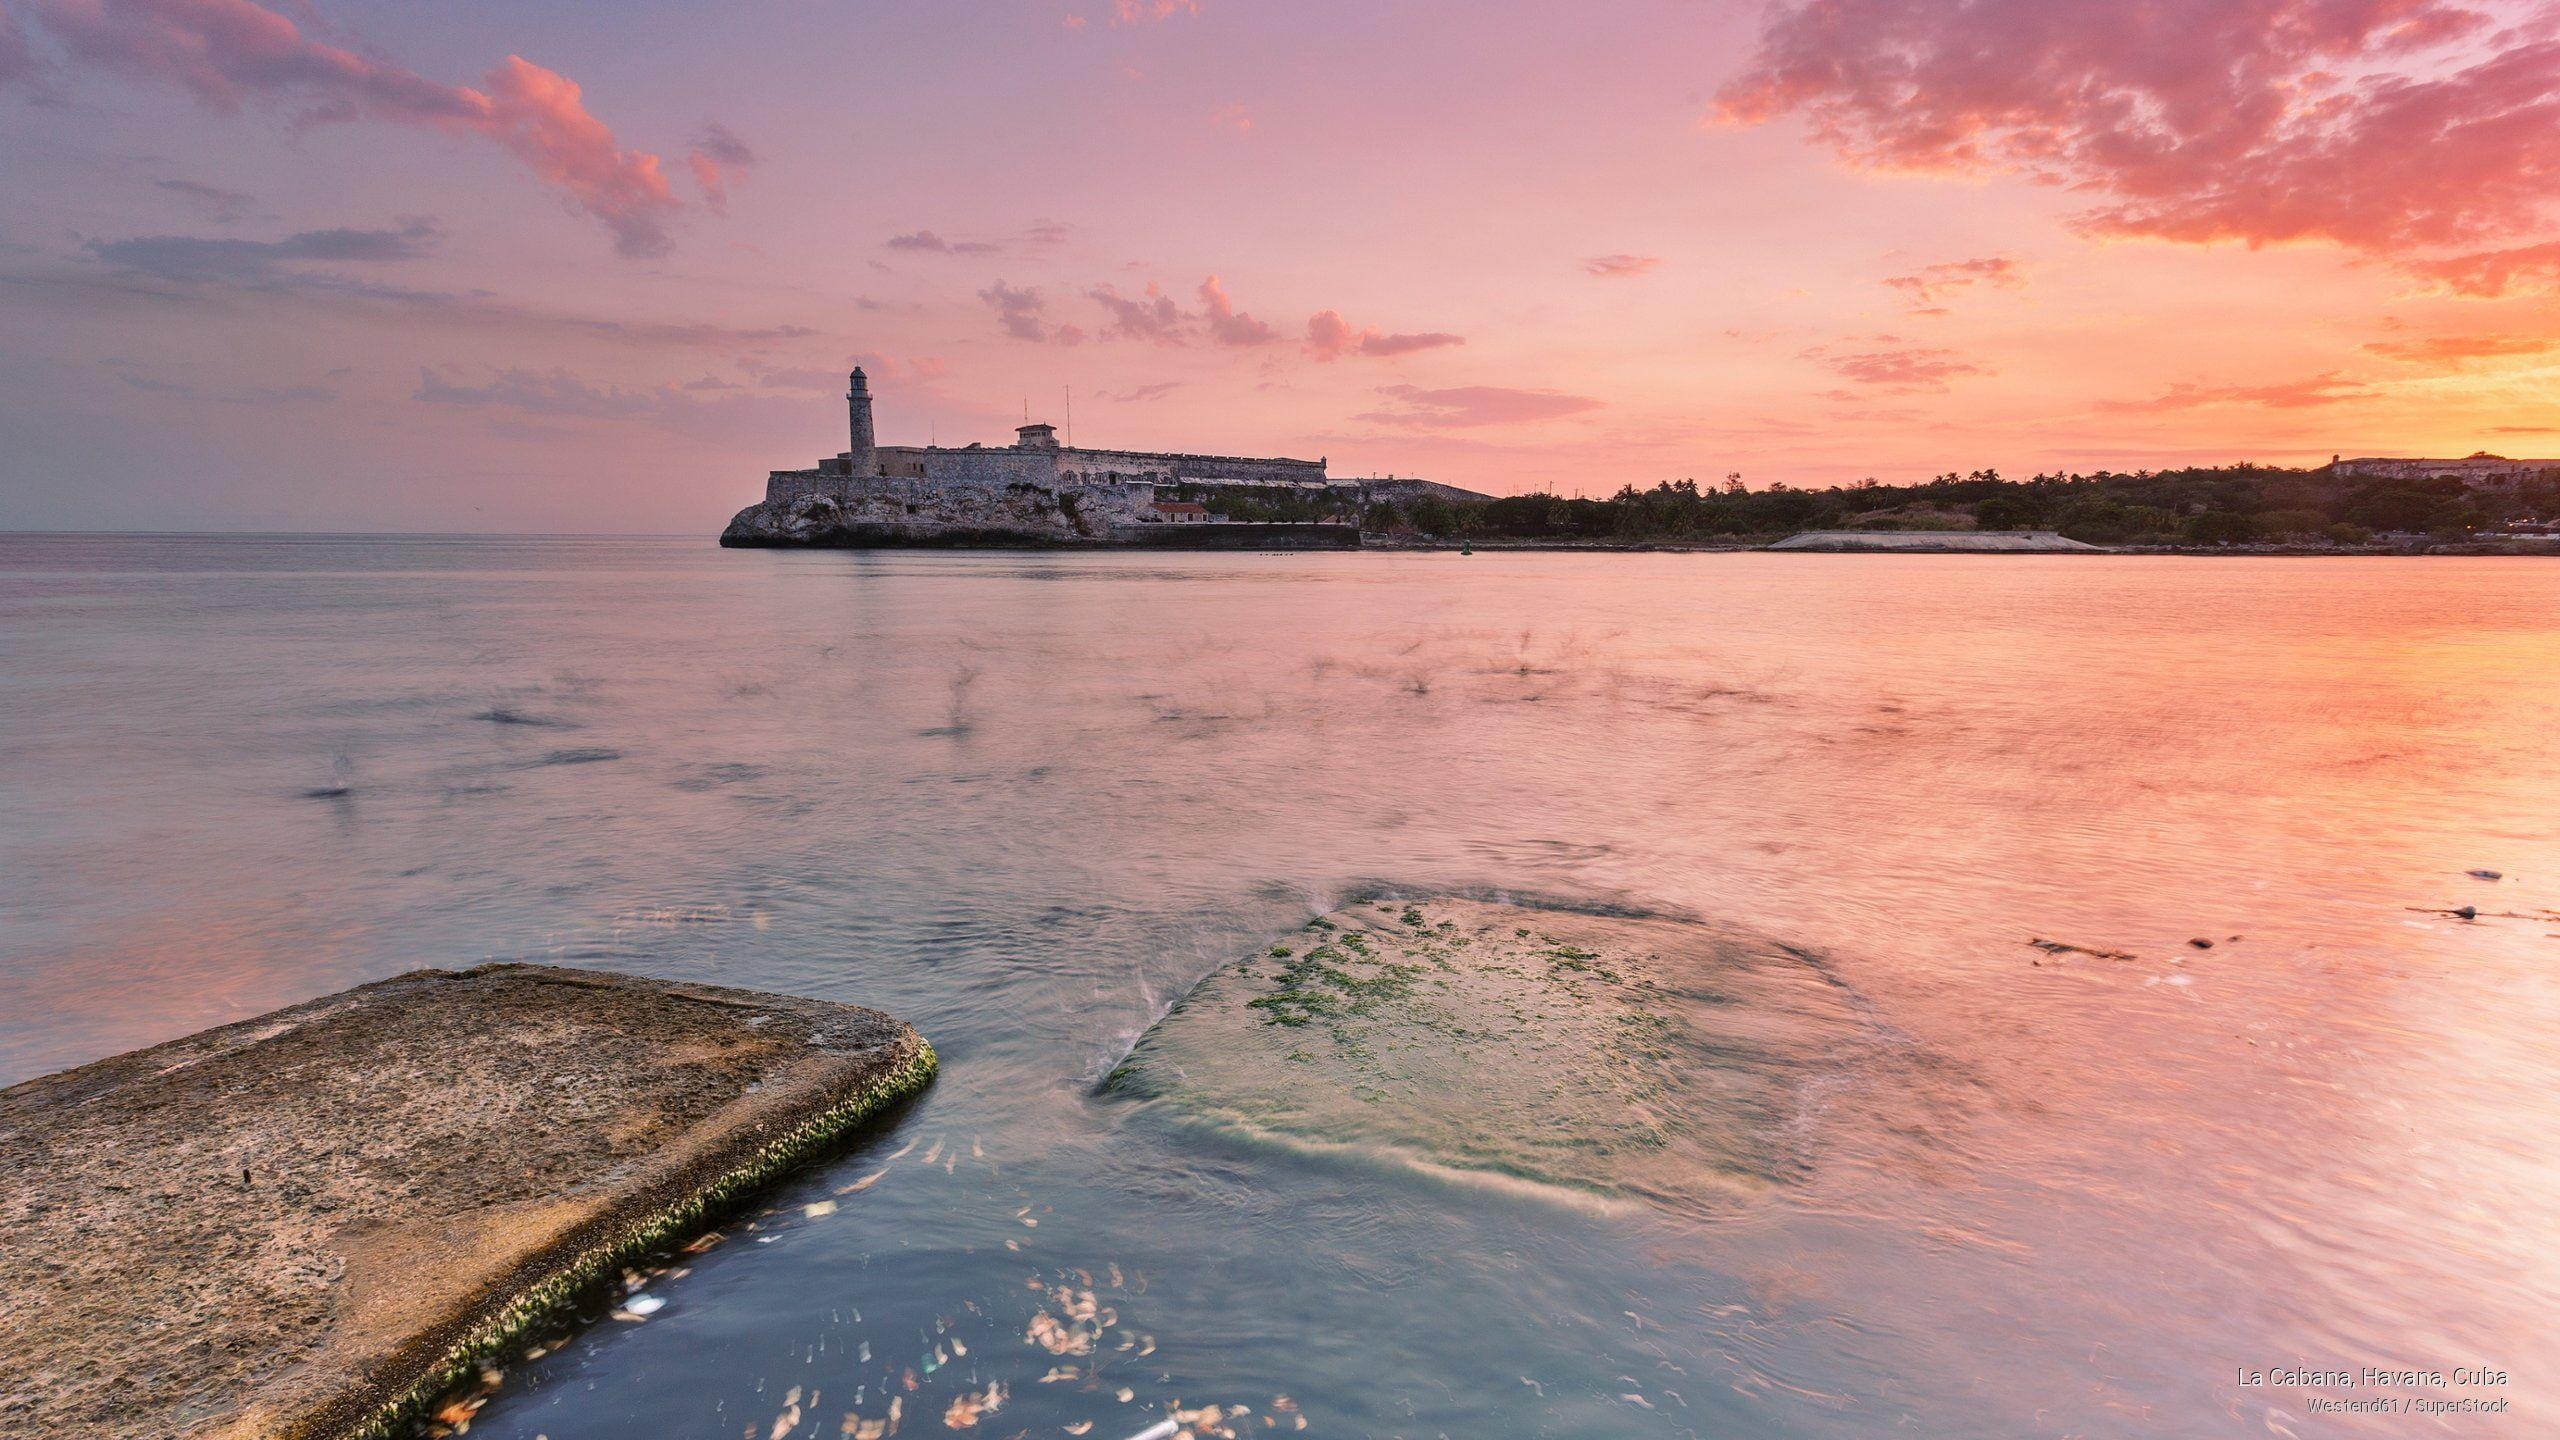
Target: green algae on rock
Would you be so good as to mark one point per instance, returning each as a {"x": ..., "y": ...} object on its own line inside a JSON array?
[
  {"x": 1616, "y": 1056},
  {"x": 311, "y": 1223}
]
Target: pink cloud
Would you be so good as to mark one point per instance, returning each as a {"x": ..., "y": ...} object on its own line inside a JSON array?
[
  {"x": 2324, "y": 389},
  {"x": 1141, "y": 12},
  {"x": 2192, "y": 120},
  {"x": 1023, "y": 313},
  {"x": 1901, "y": 370},
  {"x": 1467, "y": 406},
  {"x": 718, "y": 158},
  {"x": 1330, "y": 337},
  {"x": 1227, "y": 324},
  {"x": 1153, "y": 317},
  {"x": 1620, "y": 267},
  {"x": 931, "y": 243},
  {"x": 229, "y": 53},
  {"x": 2488, "y": 274},
  {"x": 1029, "y": 240},
  {"x": 1930, "y": 284},
  {"x": 1384, "y": 345},
  {"x": 539, "y": 116}
]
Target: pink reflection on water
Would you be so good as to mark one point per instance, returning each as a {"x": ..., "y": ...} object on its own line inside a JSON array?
[{"x": 1026, "y": 799}]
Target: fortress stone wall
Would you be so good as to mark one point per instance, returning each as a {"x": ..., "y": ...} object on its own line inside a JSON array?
[
  {"x": 973, "y": 465},
  {"x": 1037, "y": 463},
  {"x": 1173, "y": 468}
]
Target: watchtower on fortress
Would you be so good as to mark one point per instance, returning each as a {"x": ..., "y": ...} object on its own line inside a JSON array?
[{"x": 863, "y": 457}]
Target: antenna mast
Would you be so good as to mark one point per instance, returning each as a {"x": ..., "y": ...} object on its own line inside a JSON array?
[{"x": 1071, "y": 417}]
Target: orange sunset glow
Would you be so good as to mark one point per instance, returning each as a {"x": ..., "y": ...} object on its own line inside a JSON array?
[{"x": 365, "y": 266}]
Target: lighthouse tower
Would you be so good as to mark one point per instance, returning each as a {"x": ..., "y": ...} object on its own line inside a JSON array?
[{"x": 864, "y": 457}]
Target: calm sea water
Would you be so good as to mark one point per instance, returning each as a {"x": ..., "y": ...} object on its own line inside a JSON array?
[{"x": 1027, "y": 801}]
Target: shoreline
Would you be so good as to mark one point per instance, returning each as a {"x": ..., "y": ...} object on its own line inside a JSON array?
[{"x": 2474, "y": 548}]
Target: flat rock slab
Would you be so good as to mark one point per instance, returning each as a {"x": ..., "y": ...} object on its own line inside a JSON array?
[
  {"x": 308, "y": 1223},
  {"x": 1629, "y": 1057},
  {"x": 2000, "y": 542}
]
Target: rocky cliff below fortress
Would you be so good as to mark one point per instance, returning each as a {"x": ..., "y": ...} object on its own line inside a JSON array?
[
  {"x": 855, "y": 515},
  {"x": 842, "y": 513}
]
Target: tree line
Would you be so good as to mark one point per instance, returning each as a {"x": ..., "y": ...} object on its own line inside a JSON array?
[{"x": 2226, "y": 505}]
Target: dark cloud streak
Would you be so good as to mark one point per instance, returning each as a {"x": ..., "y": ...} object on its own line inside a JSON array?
[{"x": 193, "y": 258}]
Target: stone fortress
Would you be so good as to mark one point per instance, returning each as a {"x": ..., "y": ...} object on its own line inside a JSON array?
[{"x": 1035, "y": 491}]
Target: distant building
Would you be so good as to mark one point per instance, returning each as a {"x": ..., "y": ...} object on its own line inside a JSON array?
[
  {"x": 2478, "y": 468},
  {"x": 1035, "y": 457},
  {"x": 922, "y": 487}
]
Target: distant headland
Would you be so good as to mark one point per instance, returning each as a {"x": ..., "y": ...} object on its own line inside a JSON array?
[
  {"x": 1037, "y": 491},
  {"x": 2479, "y": 503}
]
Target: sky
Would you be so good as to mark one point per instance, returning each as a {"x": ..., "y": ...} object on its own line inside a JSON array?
[{"x": 357, "y": 266}]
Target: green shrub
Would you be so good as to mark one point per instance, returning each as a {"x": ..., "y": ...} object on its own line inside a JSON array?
[
  {"x": 2293, "y": 524},
  {"x": 2008, "y": 512},
  {"x": 2221, "y": 527}
]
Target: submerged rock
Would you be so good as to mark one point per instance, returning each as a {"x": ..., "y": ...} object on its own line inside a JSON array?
[{"x": 1638, "y": 1057}]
